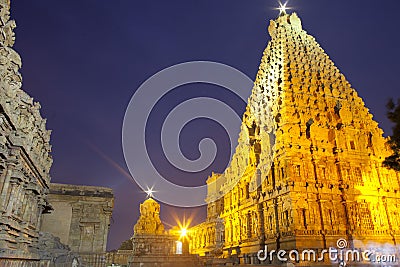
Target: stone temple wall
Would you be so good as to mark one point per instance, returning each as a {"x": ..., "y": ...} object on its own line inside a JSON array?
[
  {"x": 81, "y": 216},
  {"x": 25, "y": 158}
]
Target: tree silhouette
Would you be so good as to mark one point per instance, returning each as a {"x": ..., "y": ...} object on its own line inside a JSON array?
[
  {"x": 126, "y": 245},
  {"x": 393, "y": 114}
]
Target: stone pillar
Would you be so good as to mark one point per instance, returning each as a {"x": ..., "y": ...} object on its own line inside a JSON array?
[
  {"x": 17, "y": 202},
  {"x": 33, "y": 217},
  {"x": 27, "y": 206},
  {"x": 4, "y": 192},
  {"x": 11, "y": 198},
  {"x": 24, "y": 202},
  {"x": 3, "y": 170},
  {"x": 107, "y": 216},
  {"x": 41, "y": 208}
]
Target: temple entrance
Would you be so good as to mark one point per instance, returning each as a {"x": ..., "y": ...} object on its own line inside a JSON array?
[{"x": 179, "y": 246}]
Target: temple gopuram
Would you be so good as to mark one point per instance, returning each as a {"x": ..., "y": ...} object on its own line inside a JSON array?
[{"x": 308, "y": 167}]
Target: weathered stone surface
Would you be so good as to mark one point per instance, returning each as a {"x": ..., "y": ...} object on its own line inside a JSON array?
[
  {"x": 25, "y": 162},
  {"x": 326, "y": 181},
  {"x": 24, "y": 156},
  {"x": 81, "y": 216},
  {"x": 55, "y": 252}
]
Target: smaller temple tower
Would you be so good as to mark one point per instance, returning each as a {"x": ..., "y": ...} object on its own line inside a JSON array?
[
  {"x": 149, "y": 222},
  {"x": 153, "y": 246},
  {"x": 149, "y": 237}
]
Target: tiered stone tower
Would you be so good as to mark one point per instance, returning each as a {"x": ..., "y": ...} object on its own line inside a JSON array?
[
  {"x": 149, "y": 222},
  {"x": 24, "y": 157},
  {"x": 321, "y": 178},
  {"x": 149, "y": 237},
  {"x": 152, "y": 245}
]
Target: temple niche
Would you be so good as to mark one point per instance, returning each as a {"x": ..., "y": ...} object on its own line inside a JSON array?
[{"x": 321, "y": 179}]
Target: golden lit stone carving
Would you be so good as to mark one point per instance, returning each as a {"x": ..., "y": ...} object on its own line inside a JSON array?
[
  {"x": 149, "y": 221},
  {"x": 326, "y": 181}
]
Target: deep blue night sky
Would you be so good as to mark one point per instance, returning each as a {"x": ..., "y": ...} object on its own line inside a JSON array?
[{"x": 83, "y": 60}]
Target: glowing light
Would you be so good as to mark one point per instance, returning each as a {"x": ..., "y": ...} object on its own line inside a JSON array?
[
  {"x": 183, "y": 226},
  {"x": 183, "y": 232},
  {"x": 150, "y": 192},
  {"x": 283, "y": 7}
]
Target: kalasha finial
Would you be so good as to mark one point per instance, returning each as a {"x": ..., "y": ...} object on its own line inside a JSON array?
[{"x": 282, "y": 8}]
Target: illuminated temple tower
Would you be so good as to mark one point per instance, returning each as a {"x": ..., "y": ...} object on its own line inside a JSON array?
[
  {"x": 326, "y": 181},
  {"x": 152, "y": 246},
  {"x": 149, "y": 235}
]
